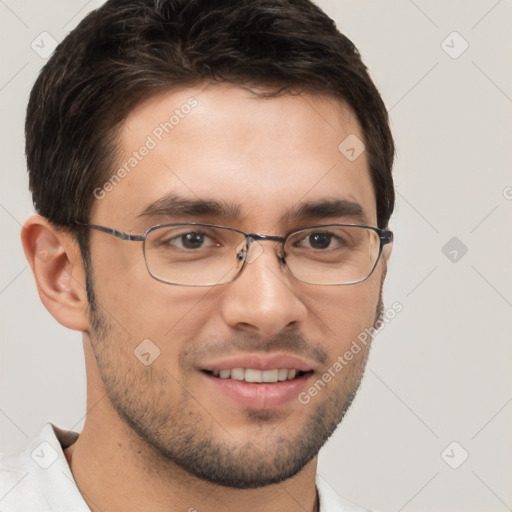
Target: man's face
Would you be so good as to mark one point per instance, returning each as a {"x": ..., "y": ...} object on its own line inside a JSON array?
[{"x": 264, "y": 157}]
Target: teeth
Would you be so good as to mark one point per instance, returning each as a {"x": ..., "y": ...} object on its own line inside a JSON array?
[
  {"x": 237, "y": 373},
  {"x": 282, "y": 374},
  {"x": 269, "y": 375},
  {"x": 253, "y": 375}
]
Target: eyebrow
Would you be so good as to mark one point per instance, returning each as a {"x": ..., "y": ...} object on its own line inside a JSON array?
[
  {"x": 326, "y": 208},
  {"x": 174, "y": 205}
]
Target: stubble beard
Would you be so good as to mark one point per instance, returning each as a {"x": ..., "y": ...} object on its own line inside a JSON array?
[{"x": 176, "y": 433}]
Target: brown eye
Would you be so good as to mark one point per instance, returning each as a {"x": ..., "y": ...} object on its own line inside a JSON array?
[
  {"x": 192, "y": 240},
  {"x": 320, "y": 240}
]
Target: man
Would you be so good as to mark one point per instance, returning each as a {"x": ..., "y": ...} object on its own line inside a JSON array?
[{"x": 213, "y": 187}]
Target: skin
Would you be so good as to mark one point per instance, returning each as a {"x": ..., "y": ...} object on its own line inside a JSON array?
[{"x": 265, "y": 156}]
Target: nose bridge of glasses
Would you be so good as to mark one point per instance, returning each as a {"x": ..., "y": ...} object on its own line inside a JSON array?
[{"x": 250, "y": 249}]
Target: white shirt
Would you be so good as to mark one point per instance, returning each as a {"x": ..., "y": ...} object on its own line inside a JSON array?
[{"x": 40, "y": 480}]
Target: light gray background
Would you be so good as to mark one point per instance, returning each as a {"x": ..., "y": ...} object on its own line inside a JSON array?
[{"x": 440, "y": 371}]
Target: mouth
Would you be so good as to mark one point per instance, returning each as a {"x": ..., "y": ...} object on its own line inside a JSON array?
[
  {"x": 258, "y": 381},
  {"x": 253, "y": 375}
]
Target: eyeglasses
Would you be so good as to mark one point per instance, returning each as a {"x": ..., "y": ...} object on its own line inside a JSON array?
[{"x": 192, "y": 254}]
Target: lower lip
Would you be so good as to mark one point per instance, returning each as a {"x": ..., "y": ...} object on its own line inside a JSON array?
[{"x": 260, "y": 395}]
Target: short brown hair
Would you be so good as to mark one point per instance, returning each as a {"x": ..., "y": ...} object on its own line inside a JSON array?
[{"x": 128, "y": 50}]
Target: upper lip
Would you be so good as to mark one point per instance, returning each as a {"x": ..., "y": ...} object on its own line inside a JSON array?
[{"x": 259, "y": 362}]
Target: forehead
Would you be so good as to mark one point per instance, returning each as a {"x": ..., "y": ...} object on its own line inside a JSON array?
[{"x": 260, "y": 158}]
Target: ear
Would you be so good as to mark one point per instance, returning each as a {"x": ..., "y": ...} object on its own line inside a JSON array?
[
  {"x": 56, "y": 263},
  {"x": 386, "y": 251}
]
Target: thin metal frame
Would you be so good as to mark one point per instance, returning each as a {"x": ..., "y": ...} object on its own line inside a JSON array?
[{"x": 385, "y": 237}]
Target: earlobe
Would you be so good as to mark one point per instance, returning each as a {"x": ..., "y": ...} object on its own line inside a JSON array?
[
  {"x": 386, "y": 251},
  {"x": 54, "y": 257}
]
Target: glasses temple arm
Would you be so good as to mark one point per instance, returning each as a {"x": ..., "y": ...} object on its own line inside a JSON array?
[{"x": 114, "y": 232}]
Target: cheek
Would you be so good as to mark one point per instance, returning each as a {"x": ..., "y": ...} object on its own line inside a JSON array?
[
  {"x": 343, "y": 313},
  {"x": 138, "y": 302}
]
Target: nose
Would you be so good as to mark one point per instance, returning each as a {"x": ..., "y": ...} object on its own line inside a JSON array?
[{"x": 262, "y": 299}]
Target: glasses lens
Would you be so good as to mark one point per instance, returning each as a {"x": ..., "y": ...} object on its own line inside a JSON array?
[
  {"x": 332, "y": 254},
  {"x": 193, "y": 254}
]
